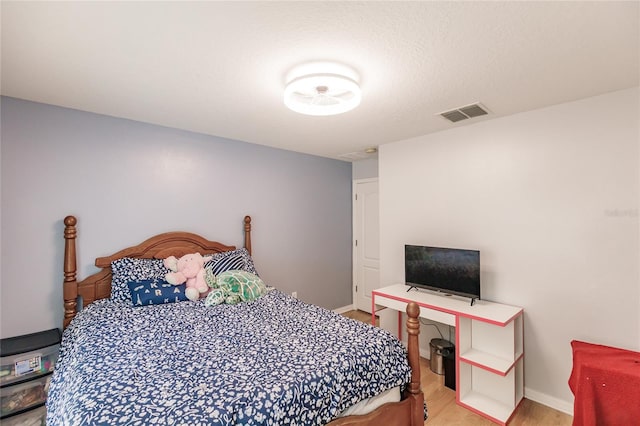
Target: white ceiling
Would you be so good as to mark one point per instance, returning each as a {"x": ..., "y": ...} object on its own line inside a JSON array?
[{"x": 219, "y": 67}]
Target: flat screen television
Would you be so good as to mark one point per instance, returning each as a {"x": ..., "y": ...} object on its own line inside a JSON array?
[{"x": 446, "y": 270}]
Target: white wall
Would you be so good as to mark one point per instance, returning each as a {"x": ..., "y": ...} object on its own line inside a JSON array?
[
  {"x": 127, "y": 181},
  {"x": 550, "y": 197}
]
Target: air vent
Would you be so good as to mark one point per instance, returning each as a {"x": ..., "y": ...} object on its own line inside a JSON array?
[
  {"x": 454, "y": 115},
  {"x": 465, "y": 112}
]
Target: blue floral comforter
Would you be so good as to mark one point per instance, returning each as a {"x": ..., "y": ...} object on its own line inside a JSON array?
[{"x": 273, "y": 361}]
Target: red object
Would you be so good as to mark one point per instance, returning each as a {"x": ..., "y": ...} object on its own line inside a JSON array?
[{"x": 606, "y": 384}]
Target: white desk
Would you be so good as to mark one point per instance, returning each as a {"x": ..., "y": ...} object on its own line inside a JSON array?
[{"x": 489, "y": 346}]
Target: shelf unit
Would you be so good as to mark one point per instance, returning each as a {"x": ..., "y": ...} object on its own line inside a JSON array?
[{"x": 489, "y": 347}]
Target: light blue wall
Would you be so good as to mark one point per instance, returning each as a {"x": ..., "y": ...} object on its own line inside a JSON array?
[{"x": 126, "y": 181}]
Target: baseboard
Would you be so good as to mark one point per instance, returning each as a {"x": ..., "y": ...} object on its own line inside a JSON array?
[
  {"x": 344, "y": 309},
  {"x": 549, "y": 401}
]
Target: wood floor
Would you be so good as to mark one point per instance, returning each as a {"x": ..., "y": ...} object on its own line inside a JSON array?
[{"x": 443, "y": 410}]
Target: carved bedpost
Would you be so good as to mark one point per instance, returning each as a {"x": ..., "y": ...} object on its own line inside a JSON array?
[
  {"x": 414, "y": 389},
  {"x": 70, "y": 290},
  {"x": 247, "y": 233},
  {"x": 413, "y": 329}
]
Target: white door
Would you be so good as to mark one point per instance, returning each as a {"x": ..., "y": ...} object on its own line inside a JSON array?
[{"x": 366, "y": 241}]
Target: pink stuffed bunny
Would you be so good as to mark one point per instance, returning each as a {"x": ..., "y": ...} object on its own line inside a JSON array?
[{"x": 190, "y": 269}]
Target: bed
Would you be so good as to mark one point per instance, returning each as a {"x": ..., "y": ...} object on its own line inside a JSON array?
[{"x": 269, "y": 361}]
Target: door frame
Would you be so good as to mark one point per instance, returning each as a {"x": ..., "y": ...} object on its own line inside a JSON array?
[{"x": 354, "y": 260}]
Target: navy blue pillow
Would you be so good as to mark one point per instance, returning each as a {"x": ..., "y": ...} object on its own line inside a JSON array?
[
  {"x": 155, "y": 292},
  {"x": 129, "y": 269}
]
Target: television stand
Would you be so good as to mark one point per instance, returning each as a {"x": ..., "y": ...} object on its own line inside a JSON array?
[{"x": 489, "y": 346}]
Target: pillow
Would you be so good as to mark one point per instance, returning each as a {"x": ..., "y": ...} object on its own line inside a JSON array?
[
  {"x": 235, "y": 286},
  {"x": 156, "y": 292},
  {"x": 129, "y": 269},
  {"x": 239, "y": 259}
]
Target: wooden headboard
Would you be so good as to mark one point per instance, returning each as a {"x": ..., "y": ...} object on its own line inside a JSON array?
[{"x": 98, "y": 285}]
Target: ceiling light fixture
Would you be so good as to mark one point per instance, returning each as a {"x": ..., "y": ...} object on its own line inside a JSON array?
[{"x": 322, "y": 88}]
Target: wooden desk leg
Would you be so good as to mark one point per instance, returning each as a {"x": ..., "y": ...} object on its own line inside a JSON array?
[{"x": 373, "y": 309}]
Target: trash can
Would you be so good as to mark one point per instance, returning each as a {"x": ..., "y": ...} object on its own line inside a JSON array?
[
  {"x": 449, "y": 356},
  {"x": 437, "y": 346}
]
